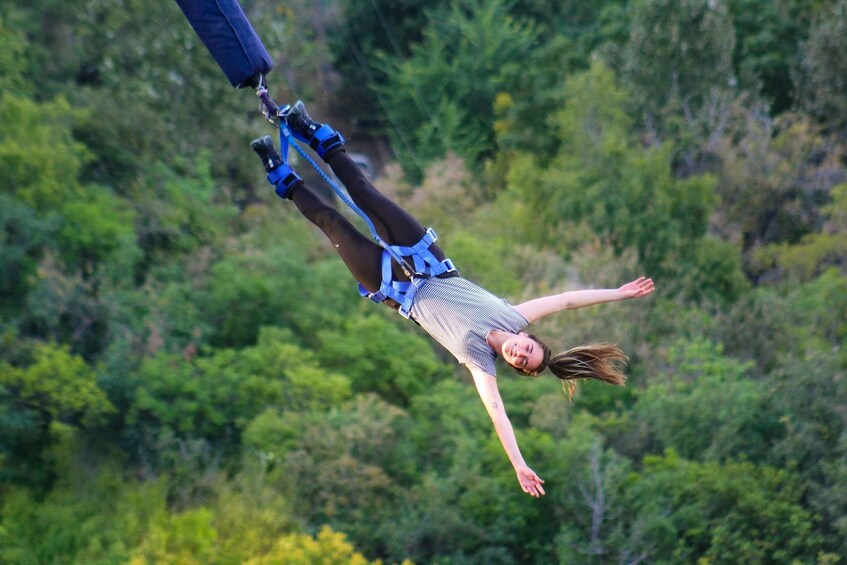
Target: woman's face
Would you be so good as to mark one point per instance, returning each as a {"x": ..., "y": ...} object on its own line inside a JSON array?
[{"x": 523, "y": 352}]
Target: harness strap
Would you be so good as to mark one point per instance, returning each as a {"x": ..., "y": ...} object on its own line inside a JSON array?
[
  {"x": 424, "y": 264},
  {"x": 286, "y": 139},
  {"x": 426, "y": 267},
  {"x": 424, "y": 260}
]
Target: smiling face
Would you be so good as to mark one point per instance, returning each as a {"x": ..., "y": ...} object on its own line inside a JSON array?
[{"x": 522, "y": 352}]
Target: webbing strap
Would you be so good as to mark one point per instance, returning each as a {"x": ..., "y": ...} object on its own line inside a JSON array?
[
  {"x": 275, "y": 115},
  {"x": 286, "y": 139},
  {"x": 426, "y": 266},
  {"x": 424, "y": 260}
]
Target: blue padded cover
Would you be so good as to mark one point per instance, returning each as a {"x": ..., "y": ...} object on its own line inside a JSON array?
[{"x": 229, "y": 37}]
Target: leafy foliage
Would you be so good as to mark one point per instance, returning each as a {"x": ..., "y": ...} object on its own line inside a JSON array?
[
  {"x": 39, "y": 158},
  {"x": 188, "y": 376},
  {"x": 707, "y": 408},
  {"x": 678, "y": 61},
  {"x": 823, "y": 63},
  {"x": 601, "y": 180},
  {"x": 767, "y": 39},
  {"x": 442, "y": 97},
  {"x": 755, "y": 512},
  {"x": 298, "y": 549},
  {"x": 53, "y": 387}
]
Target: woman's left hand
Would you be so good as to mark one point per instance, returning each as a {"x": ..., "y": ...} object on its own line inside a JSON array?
[
  {"x": 530, "y": 482},
  {"x": 640, "y": 287}
]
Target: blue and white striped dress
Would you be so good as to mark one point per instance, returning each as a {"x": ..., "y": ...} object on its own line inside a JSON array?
[{"x": 459, "y": 314}]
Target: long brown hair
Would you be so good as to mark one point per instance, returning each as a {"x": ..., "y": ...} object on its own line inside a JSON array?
[{"x": 600, "y": 361}]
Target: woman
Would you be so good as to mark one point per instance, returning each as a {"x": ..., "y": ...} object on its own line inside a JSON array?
[{"x": 471, "y": 323}]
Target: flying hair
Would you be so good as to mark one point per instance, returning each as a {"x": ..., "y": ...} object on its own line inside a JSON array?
[{"x": 598, "y": 361}]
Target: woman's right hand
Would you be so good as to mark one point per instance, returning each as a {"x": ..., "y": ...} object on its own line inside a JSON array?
[{"x": 530, "y": 482}]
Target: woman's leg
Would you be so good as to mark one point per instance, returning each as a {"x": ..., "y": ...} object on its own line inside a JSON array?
[
  {"x": 362, "y": 256},
  {"x": 392, "y": 223}
]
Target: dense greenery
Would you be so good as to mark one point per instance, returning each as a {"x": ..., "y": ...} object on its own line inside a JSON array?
[{"x": 187, "y": 374}]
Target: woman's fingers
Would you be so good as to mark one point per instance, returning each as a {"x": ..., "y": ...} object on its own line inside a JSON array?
[
  {"x": 535, "y": 490},
  {"x": 645, "y": 285},
  {"x": 531, "y": 483}
]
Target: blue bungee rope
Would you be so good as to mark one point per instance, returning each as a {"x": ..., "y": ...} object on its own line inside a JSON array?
[
  {"x": 276, "y": 116},
  {"x": 286, "y": 139}
]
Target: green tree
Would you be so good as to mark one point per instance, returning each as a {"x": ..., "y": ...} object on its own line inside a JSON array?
[
  {"x": 42, "y": 164},
  {"x": 342, "y": 470},
  {"x": 571, "y": 17},
  {"x": 706, "y": 408},
  {"x": 211, "y": 395},
  {"x": 67, "y": 308},
  {"x": 250, "y": 290},
  {"x": 13, "y": 61},
  {"x": 685, "y": 512},
  {"x": 249, "y": 517},
  {"x": 591, "y": 509},
  {"x": 203, "y": 397},
  {"x": 815, "y": 251},
  {"x": 807, "y": 393},
  {"x": 186, "y": 416},
  {"x": 97, "y": 229},
  {"x": 678, "y": 62},
  {"x": 189, "y": 537},
  {"x": 774, "y": 178},
  {"x": 92, "y": 234},
  {"x": 773, "y": 325},
  {"x": 309, "y": 386},
  {"x": 40, "y": 161},
  {"x": 377, "y": 356},
  {"x": 282, "y": 274},
  {"x": 367, "y": 32},
  {"x": 178, "y": 208},
  {"x": 447, "y": 415},
  {"x": 148, "y": 84},
  {"x": 768, "y": 37},
  {"x": 91, "y": 516},
  {"x": 600, "y": 179},
  {"x": 441, "y": 98},
  {"x": 23, "y": 236},
  {"x": 327, "y": 547},
  {"x": 823, "y": 55},
  {"x": 830, "y": 499},
  {"x": 51, "y": 388},
  {"x": 460, "y": 499},
  {"x": 57, "y": 385}
]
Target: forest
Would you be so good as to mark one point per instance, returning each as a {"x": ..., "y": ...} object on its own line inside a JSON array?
[{"x": 189, "y": 376}]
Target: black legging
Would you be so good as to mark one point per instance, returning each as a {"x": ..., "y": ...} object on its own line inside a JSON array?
[{"x": 360, "y": 253}]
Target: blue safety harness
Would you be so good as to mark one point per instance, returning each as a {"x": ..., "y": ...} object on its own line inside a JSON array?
[
  {"x": 227, "y": 33},
  {"x": 426, "y": 266},
  {"x": 417, "y": 261}
]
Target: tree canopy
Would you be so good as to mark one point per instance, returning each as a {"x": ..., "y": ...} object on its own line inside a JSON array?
[{"x": 188, "y": 375}]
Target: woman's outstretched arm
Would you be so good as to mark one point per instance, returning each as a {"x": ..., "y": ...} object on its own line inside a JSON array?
[
  {"x": 486, "y": 385},
  {"x": 538, "y": 308}
]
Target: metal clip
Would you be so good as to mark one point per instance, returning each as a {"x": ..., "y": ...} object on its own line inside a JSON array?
[{"x": 268, "y": 108}]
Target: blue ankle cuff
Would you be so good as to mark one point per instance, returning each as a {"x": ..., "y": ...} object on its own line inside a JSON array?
[
  {"x": 283, "y": 178},
  {"x": 325, "y": 140}
]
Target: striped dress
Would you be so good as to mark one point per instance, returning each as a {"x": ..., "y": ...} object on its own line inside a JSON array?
[{"x": 459, "y": 315}]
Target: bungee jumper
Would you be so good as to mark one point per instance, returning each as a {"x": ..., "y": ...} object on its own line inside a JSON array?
[
  {"x": 401, "y": 265},
  {"x": 471, "y": 323}
]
